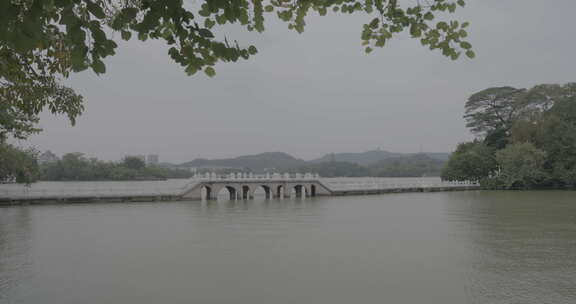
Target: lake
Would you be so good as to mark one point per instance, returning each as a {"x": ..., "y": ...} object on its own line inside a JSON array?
[{"x": 453, "y": 247}]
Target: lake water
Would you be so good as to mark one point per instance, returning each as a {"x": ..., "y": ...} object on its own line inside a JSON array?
[{"x": 448, "y": 248}]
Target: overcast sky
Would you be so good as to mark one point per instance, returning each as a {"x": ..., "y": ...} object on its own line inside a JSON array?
[{"x": 314, "y": 93}]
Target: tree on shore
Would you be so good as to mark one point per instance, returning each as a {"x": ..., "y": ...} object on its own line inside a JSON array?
[
  {"x": 521, "y": 166},
  {"x": 493, "y": 109},
  {"x": 134, "y": 163},
  {"x": 17, "y": 165},
  {"x": 531, "y": 134},
  {"x": 472, "y": 161},
  {"x": 77, "y": 167}
]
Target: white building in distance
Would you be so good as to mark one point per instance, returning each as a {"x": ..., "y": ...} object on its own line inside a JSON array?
[
  {"x": 152, "y": 159},
  {"x": 47, "y": 157}
]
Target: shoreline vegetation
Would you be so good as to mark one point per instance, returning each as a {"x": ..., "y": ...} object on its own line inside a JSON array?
[
  {"x": 77, "y": 167},
  {"x": 526, "y": 139}
]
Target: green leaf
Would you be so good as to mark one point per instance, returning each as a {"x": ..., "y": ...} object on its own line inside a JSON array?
[
  {"x": 77, "y": 35},
  {"x": 269, "y": 8},
  {"x": 98, "y": 67},
  {"x": 368, "y": 50},
  {"x": 465, "y": 45},
  {"x": 461, "y": 3},
  {"x": 209, "y": 23},
  {"x": 95, "y": 10},
  {"x": 204, "y": 12},
  {"x": 206, "y": 33},
  {"x": 415, "y": 31},
  {"x": 470, "y": 54},
  {"x": 252, "y": 50},
  {"x": 126, "y": 35},
  {"x": 191, "y": 70},
  {"x": 98, "y": 35},
  {"x": 442, "y": 25},
  {"x": 209, "y": 71},
  {"x": 129, "y": 13}
]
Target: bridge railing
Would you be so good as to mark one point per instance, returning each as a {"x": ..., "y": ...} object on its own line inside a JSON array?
[
  {"x": 85, "y": 193},
  {"x": 375, "y": 184},
  {"x": 251, "y": 176}
]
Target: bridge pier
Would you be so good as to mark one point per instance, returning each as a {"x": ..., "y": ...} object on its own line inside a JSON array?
[
  {"x": 246, "y": 193},
  {"x": 210, "y": 194},
  {"x": 267, "y": 192},
  {"x": 286, "y": 191},
  {"x": 298, "y": 190},
  {"x": 277, "y": 191}
]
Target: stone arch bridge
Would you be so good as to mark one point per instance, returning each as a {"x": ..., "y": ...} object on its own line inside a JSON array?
[{"x": 243, "y": 187}]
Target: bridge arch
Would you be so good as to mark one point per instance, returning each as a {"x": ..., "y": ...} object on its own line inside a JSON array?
[
  {"x": 299, "y": 191},
  {"x": 231, "y": 190},
  {"x": 245, "y": 189},
  {"x": 280, "y": 191},
  {"x": 312, "y": 190},
  {"x": 245, "y": 192},
  {"x": 206, "y": 192},
  {"x": 268, "y": 190}
]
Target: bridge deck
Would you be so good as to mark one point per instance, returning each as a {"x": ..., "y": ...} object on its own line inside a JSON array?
[
  {"x": 74, "y": 194},
  {"x": 404, "y": 190}
]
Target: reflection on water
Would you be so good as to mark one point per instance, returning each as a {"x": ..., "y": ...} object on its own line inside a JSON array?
[
  {"x": 466, "y": 247},
  {"x": 14, "y": 249},
  {"x": 523, "y": 245}
]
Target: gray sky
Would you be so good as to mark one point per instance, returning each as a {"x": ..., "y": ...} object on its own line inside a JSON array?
[{"x": 314, "y": 93}]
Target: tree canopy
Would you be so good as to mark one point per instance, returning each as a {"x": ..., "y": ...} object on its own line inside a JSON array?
[
  {"x": 471, "y": 161},
  {"x": 496, "y": 109},
  {"x": 17, "y": 165},
  {"x": 43, "y": 41},
  {"x": 133, "y": 162},
  {"x": 408, "y": 166},
  {"x": 493, "y": 109},
  {"x": 527, "y": 135},
  {"x": 521, "y": 165},
  {"x": 77, "y": 167}
]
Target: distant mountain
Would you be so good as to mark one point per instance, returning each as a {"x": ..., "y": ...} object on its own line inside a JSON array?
[
  {"x": 335, "y": 169},
  {"x": 370, "y": 157},
  {"x": 344, "y": 164},
  {"x": 257, "y": 162},
  {"x": 166, "y": 165},
  {"x": 412, "y": 165},
  {"x": 362, "y": 158},
  {"x": 443, "y": 156}
]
